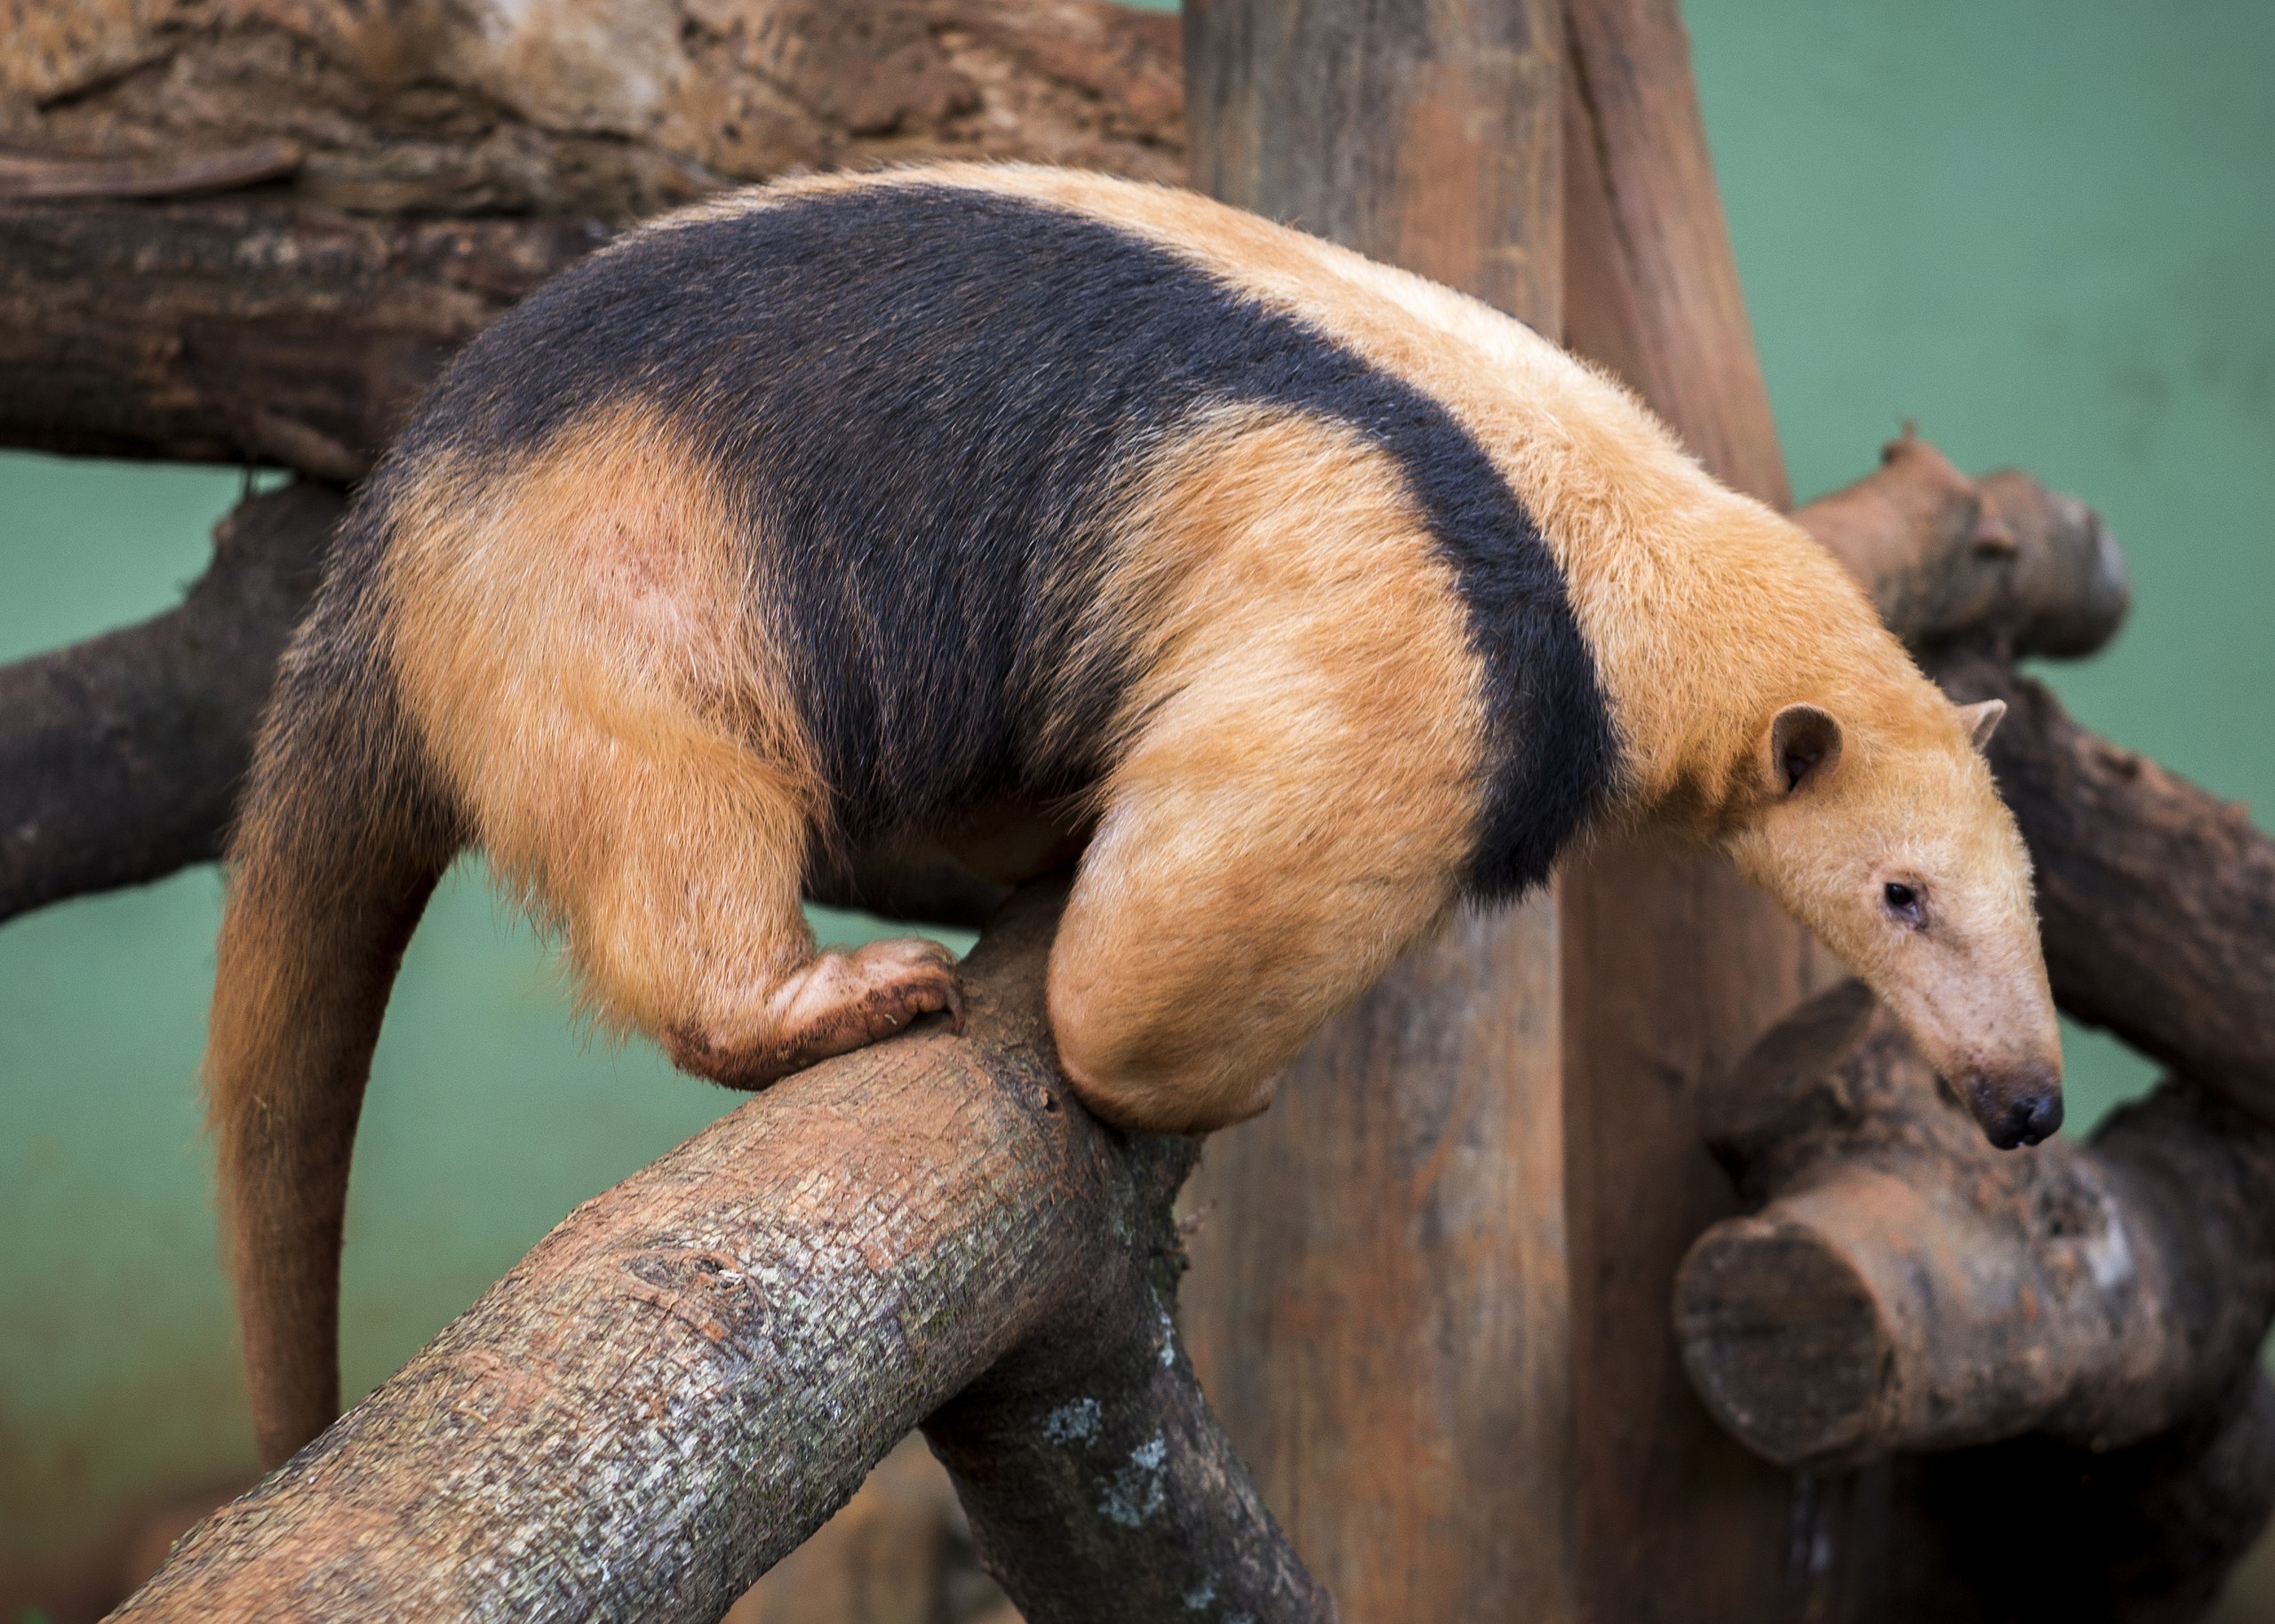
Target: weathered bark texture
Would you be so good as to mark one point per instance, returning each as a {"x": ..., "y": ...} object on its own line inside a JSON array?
[
  {"x": 1652, "y": 287},
  {"x": 1904, "y": 1287},
  {"x": 120, "y": 757},
  {"x": 1379, "y": 1293},
  {"x": 1671, "y": 963},
  {"x": 297, "y": 325},
  {"x": 899, "y": 1553},
  {"x": 686, "y": 1377},
  {"x": 579, "y": 107},
  {"x": 239, "y": 332}
]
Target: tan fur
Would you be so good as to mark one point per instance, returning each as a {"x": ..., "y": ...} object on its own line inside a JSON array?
[
  {"x": 581, "y": 645},
  {"x": 1297, "y": 795},
  {"x": 575, "y": 640},
  {"x": 1705, "y": 613}
]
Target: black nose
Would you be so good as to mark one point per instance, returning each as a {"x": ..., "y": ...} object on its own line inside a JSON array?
[{"x": 2027, "y": 1120}]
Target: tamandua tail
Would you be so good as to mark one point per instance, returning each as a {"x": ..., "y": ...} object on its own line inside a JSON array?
[{"x": 340, "y": 839}]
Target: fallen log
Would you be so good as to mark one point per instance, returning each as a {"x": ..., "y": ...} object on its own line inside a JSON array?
[
  {"x": 120, "y": 757},
  {"x": 676, "y": 1386}
]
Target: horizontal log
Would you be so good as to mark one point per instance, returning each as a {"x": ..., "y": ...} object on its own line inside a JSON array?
[
  {"x": 678, "y": 1384},
  {"x": 1902, "y": 1286},
  {"x": 432, "y": 175},
  {"x": 1942, "y": 555},
  {"x": 236, "y": 331},
  {"x": 120, "y": 757}
]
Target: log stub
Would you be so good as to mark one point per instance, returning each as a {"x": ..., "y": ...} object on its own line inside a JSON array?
[{"x": 1904, "y": 1287}]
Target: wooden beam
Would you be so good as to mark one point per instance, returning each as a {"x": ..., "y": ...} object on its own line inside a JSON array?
[{"x": 1378, "y": 1294}]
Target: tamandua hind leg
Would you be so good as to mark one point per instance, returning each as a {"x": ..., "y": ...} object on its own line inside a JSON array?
[
  {"x": 671, "y": 854},
  {"x": 693, "y": 930}
]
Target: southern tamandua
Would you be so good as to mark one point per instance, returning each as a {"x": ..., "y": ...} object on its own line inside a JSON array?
[{"x": 958, "y": 504}]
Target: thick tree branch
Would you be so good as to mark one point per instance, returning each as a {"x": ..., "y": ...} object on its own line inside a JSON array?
[
  {"x": 120, "y": 757},
  {"x": 244, "y": 332},
  {"x": 682, "y": 1380},
  {"x": 1942, "y": 555}
]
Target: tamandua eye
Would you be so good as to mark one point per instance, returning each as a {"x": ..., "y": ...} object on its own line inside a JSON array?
[{"x": 1905, "y": 902}]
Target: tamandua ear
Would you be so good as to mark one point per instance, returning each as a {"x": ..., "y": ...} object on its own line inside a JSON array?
[
  {"x": 1982, "y": 721},
  {"x": 1804, "y": 746}
]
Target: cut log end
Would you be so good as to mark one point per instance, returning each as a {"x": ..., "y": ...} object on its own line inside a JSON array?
[{"x": 1784, "y": 1340}]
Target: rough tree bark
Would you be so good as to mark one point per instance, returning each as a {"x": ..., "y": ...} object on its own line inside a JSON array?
[
  {"x": 687, "y": 1376},
  {"x": 295, "y": 325},
  {"x": 120, "y": 757}
]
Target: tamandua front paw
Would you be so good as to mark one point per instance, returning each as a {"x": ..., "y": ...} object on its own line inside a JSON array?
[{"x": 833, "y": 1003}]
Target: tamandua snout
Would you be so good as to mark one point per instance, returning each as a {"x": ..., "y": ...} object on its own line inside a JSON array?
[{"x": 1319, "y": 598}]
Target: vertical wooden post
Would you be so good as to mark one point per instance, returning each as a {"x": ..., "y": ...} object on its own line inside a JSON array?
[
  {"x": 1378, "y": 1301},
  {"x": 1671, "y": 965},
  {"x": 1430, "y": 1288}
]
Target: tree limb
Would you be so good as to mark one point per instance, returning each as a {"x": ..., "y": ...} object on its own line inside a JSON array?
[
  {"x": 120, "y": 757},
  {"x": 676, "y": 1386},
  {"x": 1942, "y": 555},
  {"x": 233, "y": 331}
]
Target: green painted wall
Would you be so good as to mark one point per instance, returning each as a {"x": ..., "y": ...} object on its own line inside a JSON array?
[
  {"x": 2043, "y": 229},
  {"x": 490, "y": 1116}
]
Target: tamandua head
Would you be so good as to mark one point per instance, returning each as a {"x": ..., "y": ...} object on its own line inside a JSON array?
[{"x": 1884, "y": 834}]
